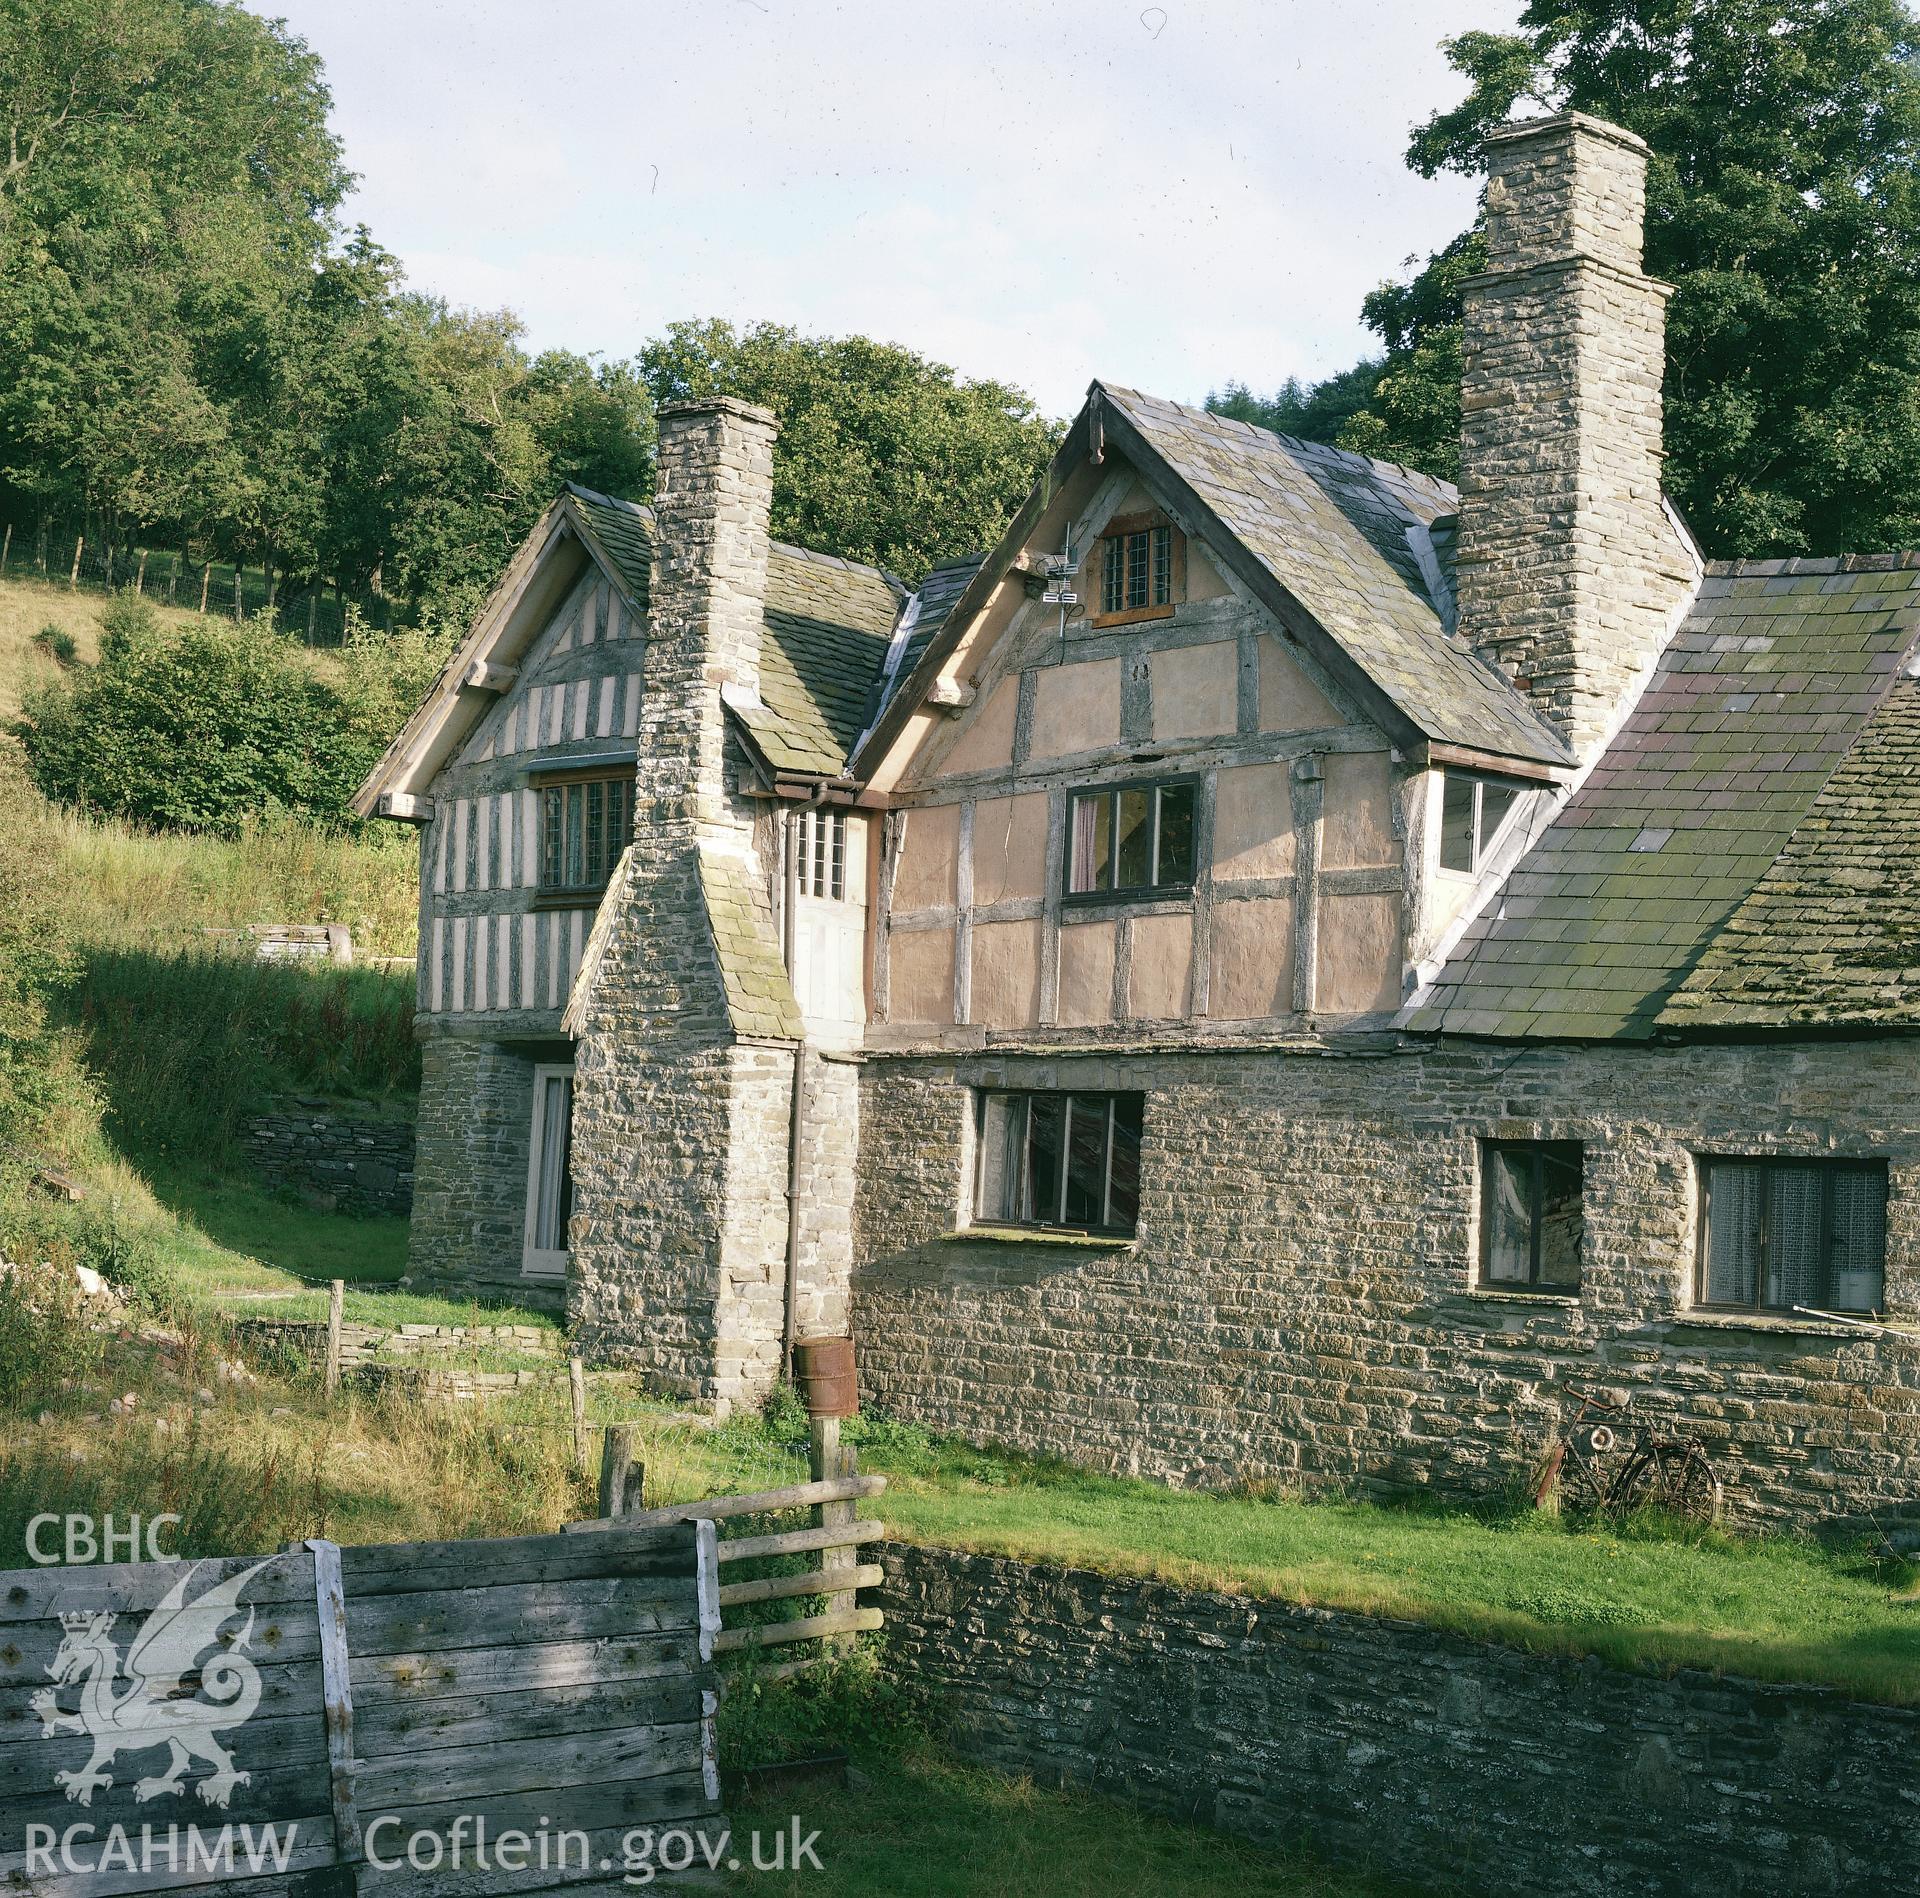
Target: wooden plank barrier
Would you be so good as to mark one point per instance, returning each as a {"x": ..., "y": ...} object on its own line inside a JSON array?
[
  {"x": 835, "y": 1535},
  {"x": 291, "y": 1726}
]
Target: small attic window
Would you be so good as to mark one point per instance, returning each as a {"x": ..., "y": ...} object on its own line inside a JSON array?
[
  {"x": 1142, "y": 570},
  {"x": 1473, "y": 812}
]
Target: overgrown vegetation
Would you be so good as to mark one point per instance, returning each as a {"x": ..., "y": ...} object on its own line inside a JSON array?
[
  {"x": 1783, "y": 204},
  {"x": 211, "y": 725}
]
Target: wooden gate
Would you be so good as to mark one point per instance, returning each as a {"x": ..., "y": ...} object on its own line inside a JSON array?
[{"x": 470, "y": 1717}]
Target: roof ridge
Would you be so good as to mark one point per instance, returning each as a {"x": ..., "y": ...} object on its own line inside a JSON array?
[
  {"x": 1291, "y": 442},
  {"x": 827, "y": 559},
  {"x": 582, "y": 492},
  {"x": 1904, "y": 560}
]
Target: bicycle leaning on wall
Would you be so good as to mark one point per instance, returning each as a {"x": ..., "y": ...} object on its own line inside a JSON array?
[{"x": 1606, "y": 1459}]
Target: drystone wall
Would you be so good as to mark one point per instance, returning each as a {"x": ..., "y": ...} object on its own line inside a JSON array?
[
  {"x": 353, "y": 1164},
  {"x": 1385, "y": 1745},
  {"x": 1301, "y": 1301}
]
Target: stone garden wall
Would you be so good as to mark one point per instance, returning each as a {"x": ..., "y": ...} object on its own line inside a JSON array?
[
  {"x": 1301, "y": 1301},
  {"x": 1426, "y": 1756},
  {"x": 356, "y": 1165}
]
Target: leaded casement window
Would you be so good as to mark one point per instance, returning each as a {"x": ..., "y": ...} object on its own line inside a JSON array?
[
  {"x": 1530, "y": 1215},
  {"x": 1473, "y": 812},
  {"x": 585, "y": 823},
  {"x": 1142, "y": 564},
  {"x": 1131, "y": 840},
  {"x": 1776, "y": 1235},
  {"x": 549, "y": 1173},
  {"x": 1061, "y": 1162},
  {"x": 819, "y": 844}
]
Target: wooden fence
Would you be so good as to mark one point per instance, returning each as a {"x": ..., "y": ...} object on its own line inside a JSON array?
[
  {"x": 319, "y": 1723},
  {"x": 835, "y": 1534}
]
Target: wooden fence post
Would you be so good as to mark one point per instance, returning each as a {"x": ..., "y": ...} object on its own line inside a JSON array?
[
  {"x": 336, "y": 1311},
  {"x": 577, "y": 1393},
  {"x": 6, "y": 547},
  {"x": 206, "y": 580},
  {"x": 239, "y": 611},
  {"x": 831, "y": 1458},
  {"x": 107, "y": 576},
  {"x": 73, "y": 576},
  {"x": 140, "y": 578},
  {"x": 622, "y": 1474}
]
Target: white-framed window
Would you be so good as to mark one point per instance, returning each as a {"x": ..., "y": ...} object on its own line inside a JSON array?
[
  {"x": 820, "y": 853},
  {"x": 549, "y": 1173},
  {"x": 1474, "y": 811}
]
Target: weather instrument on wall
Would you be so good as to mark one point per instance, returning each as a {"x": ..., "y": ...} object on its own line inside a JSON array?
[{"x": 1059, "y": 571}]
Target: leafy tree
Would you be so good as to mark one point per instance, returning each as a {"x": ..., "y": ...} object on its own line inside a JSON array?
[
  {"x": 1313, "y": 411},
  {"x": 883, "y": 456},
  {"x": 1784, "y": 204}
]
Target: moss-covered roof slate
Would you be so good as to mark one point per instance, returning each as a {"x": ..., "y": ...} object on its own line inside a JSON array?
[
  {"x": 760, "y": 998},
  {"x": 1331, "y": 527},
  {"x": 1761, "y": 694},
  {"x": 1831, "y": 934},
  {"x": 624, "y": 530},
  {"x": 828, "y": 625}
]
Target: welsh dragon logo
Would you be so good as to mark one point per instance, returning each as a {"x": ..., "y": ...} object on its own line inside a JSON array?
[{"x": 161, "y": 1707}]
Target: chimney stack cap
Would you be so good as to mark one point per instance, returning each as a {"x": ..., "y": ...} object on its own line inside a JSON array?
[
  {"x": 718, "y": 405},
  {"x": 1516, "y": 131}
]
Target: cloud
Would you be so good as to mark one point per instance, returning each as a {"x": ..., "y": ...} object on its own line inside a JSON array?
[{"x": 1033, "y": 191}]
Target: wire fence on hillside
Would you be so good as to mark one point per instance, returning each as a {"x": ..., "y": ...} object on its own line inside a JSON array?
[{"x": 66, "y": 556}]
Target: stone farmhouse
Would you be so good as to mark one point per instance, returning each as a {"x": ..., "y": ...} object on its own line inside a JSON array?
[{"x": 1270, "y": 974}]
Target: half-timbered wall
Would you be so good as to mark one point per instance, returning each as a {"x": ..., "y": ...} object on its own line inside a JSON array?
[
  {"x": 1301, "y": 905},
  {"x": 495, "y": 957}
]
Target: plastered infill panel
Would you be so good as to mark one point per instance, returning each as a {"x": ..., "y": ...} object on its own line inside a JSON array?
[
  {"x": 1006, "y": 974},
  {"x": 1357, "y": 821},
  {"x": 1076, "y": 708},
  {"x": 924, "y": 876},
  {"x": 1251, "y": 969},
  {"x": 1160, "y": 976},
  {"x": 986, "y": 741},
  {"x": 1289, "y": 700},
  {"x": 1196, "y": 690},
  {"x": 920, "y": 976},
  {"x": 1086, "y": 972},
  {"x": 1010, "y": 849},
  {"x": 1359, "y": 954},
  {"x": 1253, "y": 822}
]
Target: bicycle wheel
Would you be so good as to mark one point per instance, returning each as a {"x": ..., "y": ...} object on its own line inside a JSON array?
[{"x": 1675, "y": 1477}]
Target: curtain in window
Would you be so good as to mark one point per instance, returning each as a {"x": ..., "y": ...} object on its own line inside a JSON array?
[
  {"x": 1795, "y": 1237},
  {"x": 554, "y": 1204},
  {"x": 1509, "y": 1217},
  {"x": 1735, "y": 1199},
  {"x": 1856, "y": 1278}
]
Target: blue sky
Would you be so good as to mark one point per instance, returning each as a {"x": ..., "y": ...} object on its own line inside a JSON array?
[{"x": 1043, "y": 192}]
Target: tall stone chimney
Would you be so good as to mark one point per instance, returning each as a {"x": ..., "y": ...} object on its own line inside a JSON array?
[
  {"x": 1569, "y": 569},
  {"x": 684, "y": 1057}
]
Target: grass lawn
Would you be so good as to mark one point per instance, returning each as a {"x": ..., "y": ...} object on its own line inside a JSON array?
[
  {"x": 1634, "y": 1594},
  {"x": 923, "y": 1826}
]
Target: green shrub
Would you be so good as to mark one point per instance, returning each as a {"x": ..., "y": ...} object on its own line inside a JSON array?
[
  {"x": 211, "y": 725},
  {"x": 57, "y": 643},
  {"x": 850, "y": 1704}
]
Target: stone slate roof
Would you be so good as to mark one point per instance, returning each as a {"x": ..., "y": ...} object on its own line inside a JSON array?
[
  {"x": 1762, "y": 693},
  {"x": 624, "y": 530},
  {"x": 1331, "y": 527},
  {"x": 828, "y": 622},
  {"x": 938, "y": 593},
  {"x": 1831, "y": 934},
  {"x": 760, "y": 999}
]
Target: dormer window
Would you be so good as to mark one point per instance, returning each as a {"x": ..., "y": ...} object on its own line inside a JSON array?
[
  {"x": 1473, "y": 812},
  {"x": 1142, "y": 564}
]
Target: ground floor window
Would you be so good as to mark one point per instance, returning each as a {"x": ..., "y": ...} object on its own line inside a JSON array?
[
  {"x": 550, "y": 1172},
  {"x": 1781, "y": 1234},
  {"x": 1530, "y": 1215},
  {"x": 1066, "y": 1161}
]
